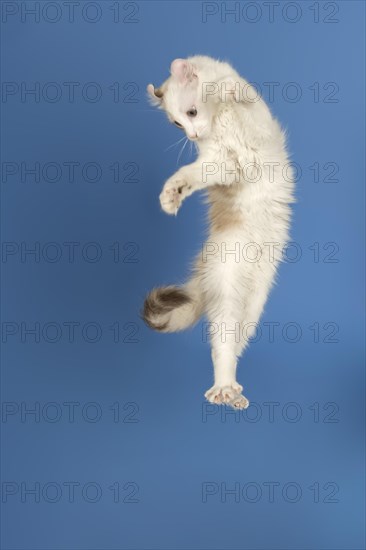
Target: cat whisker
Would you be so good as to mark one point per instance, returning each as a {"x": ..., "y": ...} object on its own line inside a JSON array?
[
  {"x": 176, "y": 143},
  {"x": 181, "y": 151}
]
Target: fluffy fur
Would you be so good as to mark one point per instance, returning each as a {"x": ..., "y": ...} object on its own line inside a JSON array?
[{"x": 243, "y": 166}]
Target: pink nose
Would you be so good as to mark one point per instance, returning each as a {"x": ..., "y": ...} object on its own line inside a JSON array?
[{"x": 193, "y": 137}]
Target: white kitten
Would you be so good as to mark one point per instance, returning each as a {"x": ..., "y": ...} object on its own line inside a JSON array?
[{"x": 244, "y": 168}]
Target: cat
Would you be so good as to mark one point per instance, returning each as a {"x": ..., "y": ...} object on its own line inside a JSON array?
[{"x": 243, "y": 167}]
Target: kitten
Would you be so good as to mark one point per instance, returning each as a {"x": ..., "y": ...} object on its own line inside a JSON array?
[{"x": 244, "y": 168}]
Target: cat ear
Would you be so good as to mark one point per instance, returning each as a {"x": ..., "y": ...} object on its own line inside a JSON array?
[
  {"x": 156, "y": 95},
  {"x": 183, "y": 71}
]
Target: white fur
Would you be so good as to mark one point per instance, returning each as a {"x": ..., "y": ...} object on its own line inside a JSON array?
[{"x": 232, "y": 132}]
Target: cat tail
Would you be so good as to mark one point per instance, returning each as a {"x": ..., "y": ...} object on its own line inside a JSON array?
[{"x": 172, "y": 308}]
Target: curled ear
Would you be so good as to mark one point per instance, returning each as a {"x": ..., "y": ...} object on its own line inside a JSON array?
[
  {"x": 183, "y": 71},
  {"x": 155, "y": 94}
]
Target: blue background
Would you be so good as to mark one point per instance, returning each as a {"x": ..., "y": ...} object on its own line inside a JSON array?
[{"x": 166, "y": 440}]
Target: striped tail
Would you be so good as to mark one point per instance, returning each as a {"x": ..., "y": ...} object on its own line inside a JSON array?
[{"x": 171, "y": 309}]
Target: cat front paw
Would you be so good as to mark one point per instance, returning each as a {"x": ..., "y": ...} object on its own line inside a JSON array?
[{"x": 172, "y": 195}]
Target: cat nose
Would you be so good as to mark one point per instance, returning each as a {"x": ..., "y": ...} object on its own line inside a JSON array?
[{"x": 193, "y": 137}]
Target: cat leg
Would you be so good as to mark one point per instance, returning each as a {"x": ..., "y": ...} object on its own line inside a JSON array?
[
  {"x": 224, "y": 284},
  {"x": 194, "y": 177},
  {"x": 254, "y": 305},
  {"x": 224, "y": 312},
  {"x": 226, "y": 389},
  {"x": 230, "y": 337},
  {"x": 236, "y": 295}
]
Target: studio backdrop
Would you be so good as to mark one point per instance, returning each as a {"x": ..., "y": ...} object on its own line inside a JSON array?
[{"x": 107, "y": 439}]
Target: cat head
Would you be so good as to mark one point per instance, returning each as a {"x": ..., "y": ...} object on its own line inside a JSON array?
[{"x": 182, "y": 99}]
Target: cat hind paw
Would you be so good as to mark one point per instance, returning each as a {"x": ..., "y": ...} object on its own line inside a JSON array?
[{"x": 223, "y": 394}]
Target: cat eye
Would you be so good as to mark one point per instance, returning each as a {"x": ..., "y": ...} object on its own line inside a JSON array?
[
  {"x": 192, "y": 112},
  {"x": 177, "y": 124}
]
